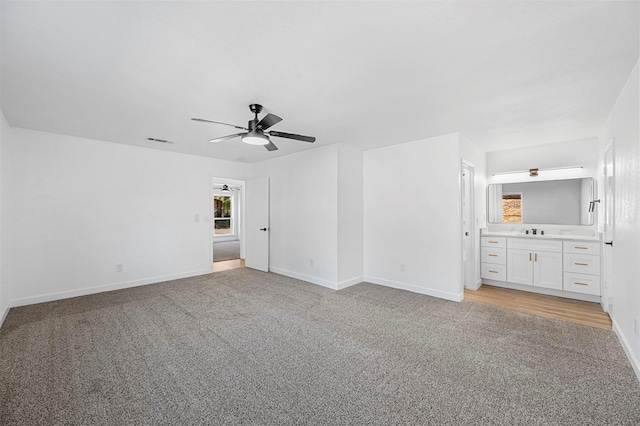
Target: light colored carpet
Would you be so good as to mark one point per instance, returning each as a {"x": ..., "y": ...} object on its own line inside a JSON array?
[
  {"x": 227, "y": 250},
  {"x": 246, "y": 347}
]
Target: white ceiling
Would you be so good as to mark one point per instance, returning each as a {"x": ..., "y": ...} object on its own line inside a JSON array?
[{"x": 506, "y": 74}]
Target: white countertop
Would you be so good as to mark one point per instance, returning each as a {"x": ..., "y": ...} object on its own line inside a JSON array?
[{"x": 541, "y": 237}]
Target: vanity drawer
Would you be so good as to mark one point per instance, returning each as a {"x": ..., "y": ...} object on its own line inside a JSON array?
[
  {"x": 582, "y": 263},
  {"x": 581, "y": 283},
  {"x": 492, "y": 271},
  {"x": 493, "y": 255},
  {"x": 582, "y": 247},
  {"x": 535, "y": 244},
  {"x": 499, "y": 242}
]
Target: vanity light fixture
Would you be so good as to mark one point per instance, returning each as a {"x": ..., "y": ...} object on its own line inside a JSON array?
[{"x": 535, "y": 172}]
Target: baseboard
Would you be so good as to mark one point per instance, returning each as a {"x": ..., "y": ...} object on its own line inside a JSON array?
[
  {"x": 302, "y": 277},
  {"x": 102, "y": 288},
  {"x": 542, "y": 290},
  {"x": 350, "y": 282},
  {"x": 627, "y": 348},
  {"x": 476, "y": 285},
  {"x": 4, "y": 315},
  {"x": 456, "y": 297}
]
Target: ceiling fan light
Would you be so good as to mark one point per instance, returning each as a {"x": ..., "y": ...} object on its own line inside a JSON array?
[{"x": 255, "y": 138}]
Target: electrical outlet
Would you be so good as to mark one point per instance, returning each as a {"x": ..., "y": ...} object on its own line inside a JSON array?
[
  {"x": 197, "y": 217},
  {"x": 119, "y": 267},
  {"x": 311, "y": 262},
  {"x": 402, "y": 268}
]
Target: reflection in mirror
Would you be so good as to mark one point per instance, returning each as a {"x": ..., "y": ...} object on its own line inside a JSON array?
[
  {"x": 512, "y": 207},
  {"x": 558, "y": 202}
]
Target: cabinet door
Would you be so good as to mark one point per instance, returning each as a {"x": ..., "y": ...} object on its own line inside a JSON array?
[
  {"x": 547, "y": 270},
  {"x": 520, "y": 266}
]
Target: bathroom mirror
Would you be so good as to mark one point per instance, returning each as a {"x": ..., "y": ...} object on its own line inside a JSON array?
[{"x": 553, "y": 202}]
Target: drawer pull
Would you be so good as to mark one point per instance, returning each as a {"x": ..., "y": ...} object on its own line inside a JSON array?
[
  {"x": 581, "y": 248},
  {"x": 529, "y": 257},
  {"x": 581, "y": 264},
  {"x": 492, "y": 271},
  {"x": 493, "y": 255},
  {"x": 493, "y": 242},
  {"x": 579, "y": 283},
  {"x": 536, "y": 257}
]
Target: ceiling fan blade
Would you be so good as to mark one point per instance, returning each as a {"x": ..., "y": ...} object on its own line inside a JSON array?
[
  {"x": 224, "y": 138},
  {"x": 268, "y": 121},
  {"x": 270, "y": 146},
  {"x": 218, "y": 122},
  {"x": 292, "y": 136}
]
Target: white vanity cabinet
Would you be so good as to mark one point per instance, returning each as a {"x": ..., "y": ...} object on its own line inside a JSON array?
[
  {"x": 582, "y": 267},
  {"x": 493, "y": 258},
  {"x": 565, "y": 267},
  {"x": 535, "y": 262}
]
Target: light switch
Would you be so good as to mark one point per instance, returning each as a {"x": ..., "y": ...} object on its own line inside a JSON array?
[{"x": 197, "y": 217}]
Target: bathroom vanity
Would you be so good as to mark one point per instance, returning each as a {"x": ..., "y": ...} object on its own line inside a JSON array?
[
  {"x": 558, "y": 265},
  {"x": 542, "y": 237}
]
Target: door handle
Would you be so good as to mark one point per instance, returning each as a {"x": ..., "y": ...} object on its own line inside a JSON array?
[
  {"x": 263, "y": 229},
  {"x": 466, "y": 234},
  {"x": 609, "y": 243}
]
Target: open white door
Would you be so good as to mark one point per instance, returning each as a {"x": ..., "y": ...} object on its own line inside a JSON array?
[
  {"x": 609, "y": 226},
  {"x": 468, "y": 234},
  {"x": 257, "y": 224}
]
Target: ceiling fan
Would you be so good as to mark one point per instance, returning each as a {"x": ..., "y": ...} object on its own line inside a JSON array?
[
  {"x": 225, "y": 188},
  {"x": 256, "y": 131}
]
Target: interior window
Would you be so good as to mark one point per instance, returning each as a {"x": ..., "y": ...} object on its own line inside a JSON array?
[
  {"x": 222, "y": 215},
  {"x": 512, "y": 208}
]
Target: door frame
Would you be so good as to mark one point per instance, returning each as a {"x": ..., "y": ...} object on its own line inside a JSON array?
[
  {"x": 470, "y": 181},
  {"x": 229, "y": 181},
  {"x": 607, "y": 301}
]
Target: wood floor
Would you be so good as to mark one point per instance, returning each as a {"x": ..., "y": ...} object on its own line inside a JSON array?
[
  {"x": 576, "y": 311},
  {"x": 226, "y": 265}
]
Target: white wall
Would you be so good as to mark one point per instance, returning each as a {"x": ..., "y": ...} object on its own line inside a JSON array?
[
  {"x": 582, "y": 152},
  {"x": 350, "y": 211},
  {"x": 623, "y": 126},
  {"x": 303, "y": 219},
  {"x": 78, "y": 207},
  {"x": 4, "y": 282},
  {"x": 412, "y": 216}
]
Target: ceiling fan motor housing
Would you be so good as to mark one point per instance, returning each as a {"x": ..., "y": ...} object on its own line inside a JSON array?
[{"x": 255, "y": 108}]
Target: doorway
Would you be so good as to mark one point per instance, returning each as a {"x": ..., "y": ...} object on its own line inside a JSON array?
[
  {"x": 468, "y": 228},
  {"x": 227, "y": 230}
]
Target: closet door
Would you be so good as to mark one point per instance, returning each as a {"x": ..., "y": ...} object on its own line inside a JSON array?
[{"x": 257, "y": 224}]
